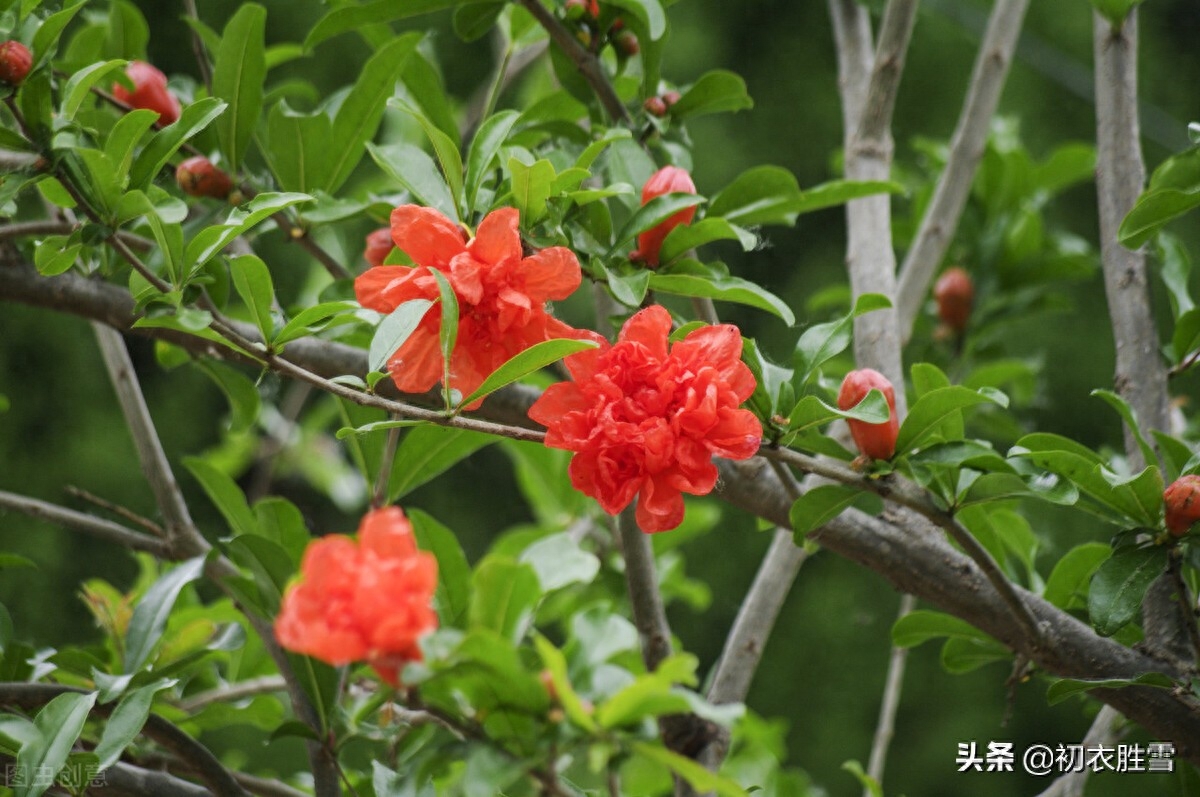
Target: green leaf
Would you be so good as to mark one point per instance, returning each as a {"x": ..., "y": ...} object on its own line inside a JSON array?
[
  {"x": 472, "y": 22},
  {"x": 531, "y": 186},
  {"x": 961, "y": 655},
  {"x": 454, "y": 574},
  {"x": 415, "y": 170},
  {"x": 211, "y": 240},
  {"x": 627, "y": 285},
  {"x": 45, "y": 41},
  {"x": 298, "y": 147},
  {"x": 56, "y": 254},
  {"x": 79, "y": 87},
  {"x": 447, "y": 332},
  {"x": 651, "y": 214},
  {"x": 310, "y": 320},
  {"x": 715, "y": 92},
  {"x": 126, "y": 721},
  {"x": 811, "y": 412},
  {"x": 166, "y": 142},
  {"x": 225, "y": 494},
  {"x": 822, "y": 342},
  {"x": 649, "y": 12},
  {"x": 504, "y": 594},
  {"x": 527, "y": 362},
  {"x": 486, "y": 144},
  {"x": 1063, "y": 688},
  {"x": 923, "y": 625},
  {"x": 839, "y": 192},
  {"x": 1131, "y": 422},
  {"x": 927, "y": 414},
  {"x": 1186, "y": 337},
  {"x": 446, "y": 150},
  {"x": 244, "y": 401},
  {"x": 394, "y": 330},
  {"x": 1175, "y": 271},
  {"x": 1115, "y": 11},
  {"x": 1067, "y": 585},
  {"x": 554, "y": 661},
  {"x": 238, "y": 72},
  {"x": 771, "y": 195},
  {"x": 559, "y": 562},
  {"x": 689, "y": 236},
  {"x": 252, "y": 279},
  {"x": 348, "y": 18},
  {"x": 822, "y": 504},
  {"x": 700, "y": 778},
  {"x": 648, "y": 696},
  {"x": 690, "y": 278},
  {"x": 429, "y": 451},
  {"x": 59, "y": 725},
  {"x": 152, "y": 611},
  {"x": 359, "y": 115},
  {"x": 1119, "y": 585},
  {"x": 869, "y": 784}
]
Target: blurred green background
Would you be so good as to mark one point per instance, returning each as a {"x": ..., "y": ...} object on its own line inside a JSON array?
[{"x": 823, "y": 670}]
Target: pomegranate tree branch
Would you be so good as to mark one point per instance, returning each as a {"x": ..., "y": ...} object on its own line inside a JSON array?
[
  {"x": 88, "y": 524},
  {"x": 966, "y": 150},
  {"x": 588, "y": 65}
]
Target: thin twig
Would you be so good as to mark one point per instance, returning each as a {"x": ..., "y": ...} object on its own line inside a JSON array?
[
  {"x": 894, "y": 683},
  {"x": 96, "y": 527},
  {"x": 118, "y": 510},
  {"x": 182, "y": 536},
  {"x": 588, "y": 65},
  {"x": 1105, "y": 731},
  {"x": 648, "y": 613},
  {"x": 966, "y": 150},
  {"x": 189, "y": 8},
  {"x": 21, "y": 229},
  {"x": 232, "y": 692},
  {"x": 379, "y": 498}
]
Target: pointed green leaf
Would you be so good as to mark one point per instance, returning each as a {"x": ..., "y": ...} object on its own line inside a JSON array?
[
  {"x": 59, "y": 725},
  {"x": 717, "y": 91},
  {"x": 927, "y": 414},
  {"x": 415, "y": 170},
  {"x": 503, "y": 596},
  {"x": 700, "y": 778},
  {"x": 1067, "y": 585},
  {"x": 1063, "y": 688},
  {"x": 126, "y": 721},
  {"x": 298, "y": 147},
  {"x": 1119, "y": 585},
  {"x": 531, "y": 187},
  {"x": 252, "y": 279},
  {"x": 822, "y": 504},
  {"x": 238, "y": 72},
  {"x": 152, "y": 611},
  {"x": 822, "y": 342},
  {"x": 427, "y": 452},
  {"x": 225, "y": 494},
  {"x": 166, "y": 142},
  {"x": 484, "y": 147},
  {"x": 922, "y": 625},
  {"x": 394, "y": 330},
  {"x": 651, "y": 214},
  {"x": 690, "y": 236},
  {"x": 211, "y": 240},
  {"x": 533, "y": 359},
  {"x": 1131, "y": 422},
  {"x": 353, "y": 17},
  {"x": 454, "y": 574}
]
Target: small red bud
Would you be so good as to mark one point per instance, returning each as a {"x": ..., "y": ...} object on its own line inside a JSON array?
[
  {"x": 875, "y": 440},
  {"x": 1182, "y": 500},
  {"x": 655, "y": 106},
  {"x": 198, "y": 177},
  {"x": 577, "y": 8},
  {"x": 149, "y": 92},
  {"x": 954, "y": 293},
  {"x": 667, "y": 180},
  {"x": 379, "y": 246},
  {"x": 671, "y": 97},
  {"x": 15, "y": 62},
  {"x": 626, "y": 42},
  {"x": 547, "y": 679}
]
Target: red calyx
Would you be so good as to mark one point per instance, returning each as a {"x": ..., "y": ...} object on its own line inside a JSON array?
[
  {"x": 149, "y": 92},
  {"x": 655, "y": 106},
  {"x": 955, "y": 293},
  {"x": 15, "y": 62},
  {"x": 875, "y": 440},
  {"x": 199, "y": 177},
  {"x": 1182, "y": 501}
]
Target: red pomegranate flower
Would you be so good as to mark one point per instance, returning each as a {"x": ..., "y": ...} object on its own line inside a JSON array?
[
  {"x": 645, "y": 418},
  {"x": 501, "y": 295},
  {"x": 667, "y": 180},
  {"x": 362, "y": 601},
  {"x": 149, "y": 91}
]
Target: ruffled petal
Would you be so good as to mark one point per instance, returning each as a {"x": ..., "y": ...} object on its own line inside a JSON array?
[
  {"x": 649, "y": 327},
  {"x": 417, "y": 365},
  {"x": 466, "y": 277},
  {"x": 737, "y": 434},
  {"x": 384, "y": 288},
  {"x": 497, "y": 238},
  {"x": 552, "y": 273},
  {"x": 387, "y": 532},
  {"x": 426, "y": 236},
  {"x": 660, "y": 507},
  {"x": 719, "y": 346}
]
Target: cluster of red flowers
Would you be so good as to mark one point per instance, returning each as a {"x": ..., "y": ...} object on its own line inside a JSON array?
[
  {"x": 645, "y": 418},
  {"x": 368, "y": 600},
  {"x": 501, "y": 295}
]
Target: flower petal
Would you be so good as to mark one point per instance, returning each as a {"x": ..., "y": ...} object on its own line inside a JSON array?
[
  {"x": 552, "y": 273},
  {"x": 497, "y": 238},
  {"x": 417, "y": 365},
  {"x": 650, "y": 327},
  {"x": 426, "y": 236},
  {"x": 384, "y": 288}
]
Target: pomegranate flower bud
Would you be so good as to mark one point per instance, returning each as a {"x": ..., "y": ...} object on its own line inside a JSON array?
[
  {"x": 954, "y": 293},
  {"x": 198, "y": 177},
  {"x": 15, "y": 62},
  {"x": 875, "y": 440},
  {"x": 379, "y": 246},
  {"x": 655, "y": 106},
  {"x": 1182, "y": 500},
  {"x": 626, "y": 42},
  {"x": 667, "y": 180},
  {"x": 149, "y": 92}
]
